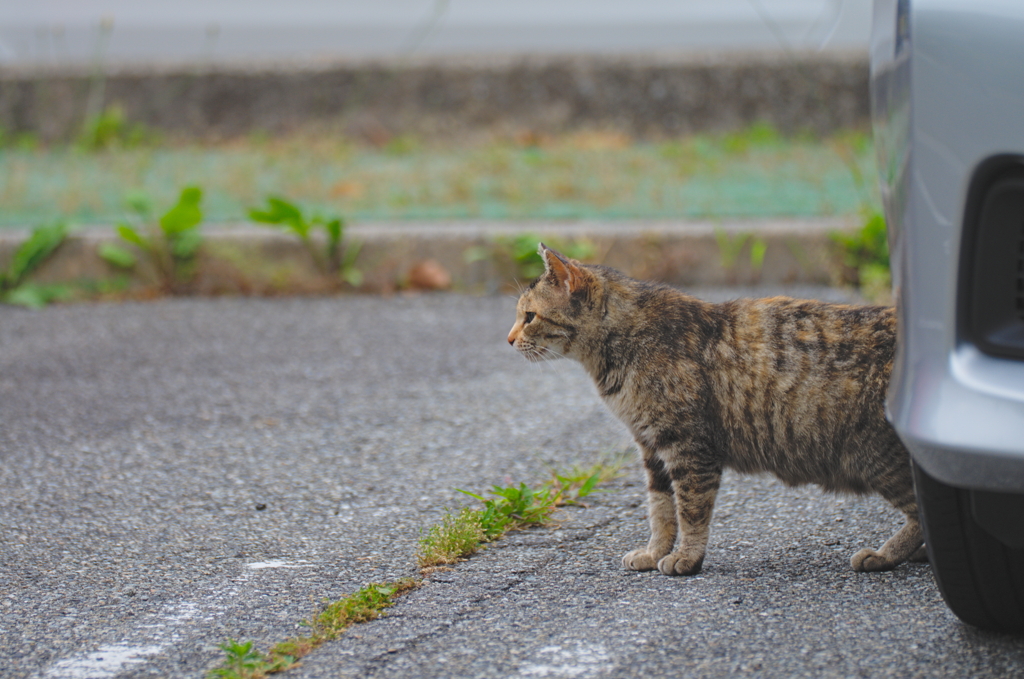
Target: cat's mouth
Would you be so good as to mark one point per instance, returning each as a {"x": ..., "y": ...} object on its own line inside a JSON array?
[{"x": 536, "y": 354}]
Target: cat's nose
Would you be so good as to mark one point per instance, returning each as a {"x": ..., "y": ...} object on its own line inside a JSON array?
[{"x": 511, "y": 338}]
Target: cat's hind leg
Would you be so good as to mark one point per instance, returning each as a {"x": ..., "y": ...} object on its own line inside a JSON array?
[
  {"x": 907, "y": 543},
  {"x": 661, "y": 511},
  {"x": 903, "y": 546}
]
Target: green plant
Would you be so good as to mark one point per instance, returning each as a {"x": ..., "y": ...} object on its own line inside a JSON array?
[
  {"x": 23, "y": 141},
  {"x": 731, "y": 246},
  {"x": 758, "y": 250},
  {"x": 108, "y": 287},
  {"x": 37, "y": 248},
  {"x": 111, "y": 129},
  {"x": 864, "y": 255},
  {"x": 460, "y": 535},
  {"x": 363, "y": 606},
  {"x": 402, "y": 145},
  {"x": 242, "y": 661},
  {"x": 171, "y": 243},
  {"x": 673, "y": 150},
  {"x": 760, "y": 134},
  {"x": 573, "y": 485},
  {"x": 522, "y": 250},
  {"x": 455, "y": 537},
  {"x": 332, "y": 259},
  {"x": 511, "y": 507},
  {"x": 851, "y": 146},
  {"x": 514, "y": 507}
]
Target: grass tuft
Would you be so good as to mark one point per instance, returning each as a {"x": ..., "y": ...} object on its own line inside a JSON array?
[
  {"x": 363, "y": 606},
  {"x": 461, "y": 534},
  {"x": 456, "y": 537}
]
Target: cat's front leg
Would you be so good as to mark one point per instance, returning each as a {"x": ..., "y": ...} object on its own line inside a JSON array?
[
  {"x": 695, "y": 483},
  {"x": 661, "y": 511}
]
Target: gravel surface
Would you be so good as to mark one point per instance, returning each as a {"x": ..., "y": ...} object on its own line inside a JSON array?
[{"x": 182, "y": 472}]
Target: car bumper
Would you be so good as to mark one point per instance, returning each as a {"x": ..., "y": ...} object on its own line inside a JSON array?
[{"x": 946, "y": 101}]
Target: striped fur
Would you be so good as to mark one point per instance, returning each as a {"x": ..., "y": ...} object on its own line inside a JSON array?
[{"x": 791, "y": 387}]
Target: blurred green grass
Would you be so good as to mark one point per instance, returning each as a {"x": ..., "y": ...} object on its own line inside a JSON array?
[{"x": 585, "y": 175}]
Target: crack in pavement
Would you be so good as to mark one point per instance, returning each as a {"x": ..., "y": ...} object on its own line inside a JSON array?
[{"x": 462, "y": 593}]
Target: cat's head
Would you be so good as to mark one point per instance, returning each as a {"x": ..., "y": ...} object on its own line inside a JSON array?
[{"x": 550, "y": 316}]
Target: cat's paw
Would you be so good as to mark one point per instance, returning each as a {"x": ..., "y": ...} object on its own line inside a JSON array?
[
  {"x": 639, "y": 560},
  {"x": 868, "y": 560},
  {"x": 680, "y": 563}
]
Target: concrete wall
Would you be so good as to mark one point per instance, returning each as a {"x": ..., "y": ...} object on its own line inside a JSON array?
[{"x": 648, "y": 97}]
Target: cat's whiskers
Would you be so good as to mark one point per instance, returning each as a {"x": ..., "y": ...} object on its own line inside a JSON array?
[{"x": 536, "y": 353}]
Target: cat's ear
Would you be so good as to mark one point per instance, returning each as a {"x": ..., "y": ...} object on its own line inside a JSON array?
[{"x": 560, "y": 270}]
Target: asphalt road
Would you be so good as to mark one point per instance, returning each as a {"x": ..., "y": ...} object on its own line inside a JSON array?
[{"x": 138, "y": 440}]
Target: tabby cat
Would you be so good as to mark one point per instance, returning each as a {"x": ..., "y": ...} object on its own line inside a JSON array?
[{"x": 791, "y": 387}]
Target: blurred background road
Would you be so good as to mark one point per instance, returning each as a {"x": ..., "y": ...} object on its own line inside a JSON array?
[{"x": 56, "y": 32}]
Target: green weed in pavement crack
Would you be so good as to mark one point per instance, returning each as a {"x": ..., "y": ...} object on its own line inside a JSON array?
[
  {"x": 458, "y": 535},
  {"x": 461, "y": 534},
  {"x": 455, "y": 537},
  {"x": 243, "y": 661}
]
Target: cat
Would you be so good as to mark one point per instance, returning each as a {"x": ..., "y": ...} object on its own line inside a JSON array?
[{"x": 791, "y": 387}]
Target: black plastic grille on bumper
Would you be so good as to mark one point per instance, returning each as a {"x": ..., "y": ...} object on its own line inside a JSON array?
[
  {"x": 1020, "y": 273},
  {"x": 992, "y": 266}
]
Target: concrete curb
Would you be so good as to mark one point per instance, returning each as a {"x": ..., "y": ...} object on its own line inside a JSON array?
[{"x": 475, "y": 256}]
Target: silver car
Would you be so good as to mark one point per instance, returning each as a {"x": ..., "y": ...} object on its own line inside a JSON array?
[{"x": 947, "y": 79}]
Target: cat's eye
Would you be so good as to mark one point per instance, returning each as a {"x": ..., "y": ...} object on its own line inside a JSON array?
[{"x": 529, "y": 317}]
